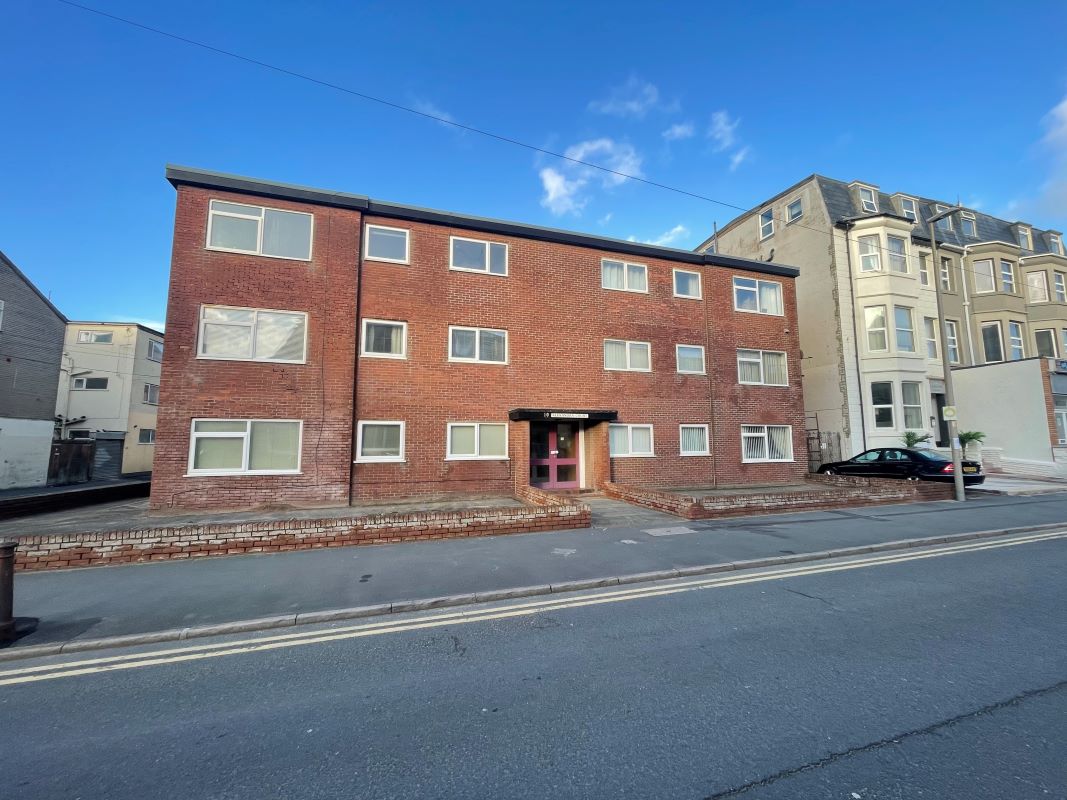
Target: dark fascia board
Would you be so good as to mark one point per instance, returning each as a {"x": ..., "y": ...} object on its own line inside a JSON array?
[
  {"x": 190, "y": 176},
  {"x": 562, "y": 415},
  {"x": 28, "y": 282},
  {"x": 144, "y": 328}
]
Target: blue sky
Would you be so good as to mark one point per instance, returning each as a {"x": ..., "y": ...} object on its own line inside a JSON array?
[{"x": 733, "y": 102}]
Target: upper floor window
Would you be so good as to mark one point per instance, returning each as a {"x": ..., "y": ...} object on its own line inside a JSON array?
[
  {"x": 907, "y": 208},
  {"x": 984, "y": 280},
  {"x": 1024, "y": 239},
  {"x": 868, "y": 200},
  {"x": 1015, "y": 341},
  {"x": 870, "y": 253},
  {"x": 930, "y": 324},
  {"x": 237, "y": 228},
  {"x": 689, "y": 358},
  {"x": 473, "y": 255},
  {"x": 924, "y": 269},
  {"x": 877, "y": 333},
  {"x": 898, "y": 253},
  {"x": 952, "y": 341},
  {"x": 991, "y": 341},
  {"x": 155, "y": 350},
  {"x": 387, "y": 244},
  {"x": 252, "y": 334},
  {"x": 1007, "y": 277},
  {"x": 762, "y": 368},
  {"x": 1055, "y": 245},
  {"x": 151, "y": 394},
  {"x": 969, "y": 224},
  {"x": 627, "y": 356},
  {"x": 1061, "y": 288},
  {"x": 95, "y": 337},
  {"x": 146, "y": 436},
  {"x": 946, "y": 274},
  {"x": 623, "y": 277},
  {"x": 1037, "y": 287},
  {"x": 758, "y": 297},
  {"x": 90, "y": 383},
  {"x": 1, "y": 315},
  {"x": 794, "y": 210},
  {"x": 245, "y": 446},
  {"x": 766, "y": 223},
  {"x": 945, "y": 223},
  {"x": 486, "y": 345},
  {"x": 384, "y": 339},
  {"x": 1046, "y": 343},
  {"x": 687, "y": 284},
  {"x": 905, "y": 329}
]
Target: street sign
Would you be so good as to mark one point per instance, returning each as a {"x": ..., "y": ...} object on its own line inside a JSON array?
[{"x": 948, "y": 412}]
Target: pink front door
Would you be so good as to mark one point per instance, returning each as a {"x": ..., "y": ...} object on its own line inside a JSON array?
[{"x": 554, "y": 455}]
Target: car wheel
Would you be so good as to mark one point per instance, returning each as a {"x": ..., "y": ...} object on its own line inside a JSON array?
[
  {"x": 828, "y": 471},
  {"x": 913, "y": 478}
]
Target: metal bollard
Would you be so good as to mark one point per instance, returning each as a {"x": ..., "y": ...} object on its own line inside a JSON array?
[{"x": 7, "y": 590}]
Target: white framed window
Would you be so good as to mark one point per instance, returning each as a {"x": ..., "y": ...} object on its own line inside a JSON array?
[
  {"x": 1007, "y": 277},
  {"x": 252, "y": 334},
  {"x": 946, "y": 274},
  {"x": 90, "y": 384},
  {"x": 911, "y": 402},
  {"x": 898, "y": 253},
  {"x": 1063, "y": 340},
  {"x": 758, "y": 297},
  {"x": 1025, "y": 241},
  {"x": 924, "y": 269},
  {"x": 874, "y": 320},
  {"x": 762, "y": 368},
  {"x": 945, "y": 223},
  {"x": 155, "y": 350},
  {"x": 382, "y": 338},
  {"x": 1046, "y": 343},
  {"x": 630, "y": 441},
  {"x": 477, "y": 441},
  {"x": 984, "y": 279},
  {"x": 627, "y": 356},
  {"x": 766, "y": 224},
  {"x": 905, "y": 329},
  {"x": 952, "y": 341},
  {"x": 794, "y": 210},
  {"x": 761, "y": 443},
  {"x": 1055, "y": 245},
  {"x": 150, "y": 394},
  {"x": 687, "y": 284},
  {"x": 622, "y": 276},
  {"x": 868, "y": 200},
  {"x": 882, "y": 404},
  {"x": 930, "y": 325},
  {"x": 992, "y": 342},
  {"x": 870, "y": 253},
  {"x": 477, "y": 345},
  {"x": 1, "y": 315},
  {"x": 259, "y": 231},
  {"x": 968, "y": 224},
  {"x": 245, "y": 446},
  {"x": 476, "y": 255},
  {"x": 1060, "y": 287},
  {"x": 1037, "y": 287},
  {"x": 1015, "y": 341},
  {"x": 95, "y": 337},
  {"x": 384, "y": 243},
  {"x": 908, "y": 209},
  {"x": 693, "y": 440},
  {"x": 146, "y": 436},
  {"x": 689, "y": 358},
  {"x": 380, "y": 442}
]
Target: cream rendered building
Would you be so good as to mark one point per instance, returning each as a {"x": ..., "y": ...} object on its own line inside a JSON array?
[
  {"x": 109, "y": 391},
  {"x": 869, "y": 331}
]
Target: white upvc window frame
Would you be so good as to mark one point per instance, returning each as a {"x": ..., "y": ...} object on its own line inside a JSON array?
[
  {"x": 911, "y": 213},
  {"x": 261, "y": 219},
  {"x": 944, "y": 273},
  {"x": 759, "y": 294},
  {"x": 707, "y": 441},
  {"x": 146, "y": 394},
  {"x": 368, "y": 227},
  {"x": 904, "y": 406},
  {"x": 1016, "y": 340},
  {"x": 85, "y": 388},
  {"x": 1000, "y": 338},
  {"x": 628, "y": 368},
  {"x": 1059, "y": 286},
  {"x": 362, "y": 459},
  {"x": 1055, "y": 244},
  {"x": 1, "y": 315},
  {"x": 766, "y": 436},
  {"x": 364, "y": 353},
  {"x": 897, "y": 329},
  {"x": 930, "y": 332},
  {"x": 992, "y": 276},
  {"x": 766, "y": 224},
  {"x": 153, "y": 345},
  {"x": 625, "y": 276},
  {"x": 678, "y": 359},
  {"x": 700, "y": 284},
  {"x": 891, "y": 405},
  {"x": 762, "y": 366},
  {"x": 790, "y": 217},
  {"x": 151, "y": 438},
  {"x": 1031, "y": 286},
  {"x": 884, "y": 328},
  {"x": 1026, "y": 238},
  {"x": 90, "y": 337},
  {"x": 924, "y": 269},
  {"x": 1007, "y": 276},
  {"x": 488, "y": 256},
  {"x": 868, "y": 204},
  {"x": 477, "y": 442},
  {"x": 945, "y": 223},
  {"x": 247, "y": 436},
  {"x": 874, "y": 255},
  {"x": 952, "y": 341},
  {"x": 969, "y": 217},
  {"x": 630, "y": 440},
  {"x": 894, "y": 257},
  {"x": 1052, "y": 340},
  {"x": 200, "y": 338},
  {"x": 478, "y": 346}
]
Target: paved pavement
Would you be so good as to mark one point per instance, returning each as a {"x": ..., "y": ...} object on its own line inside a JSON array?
[
  {"x": 139, "y": 598},
  {"x": 937, "y": 677},
  {"x": 1018, "y": 485}
]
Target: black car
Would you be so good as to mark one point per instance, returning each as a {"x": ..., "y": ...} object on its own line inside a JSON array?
[{"x": 902, "y": 462}]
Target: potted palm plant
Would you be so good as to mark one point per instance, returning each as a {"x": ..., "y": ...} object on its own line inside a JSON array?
[
  {"x": 912, "y": 438},
  {"x": 968, "y": 438}
]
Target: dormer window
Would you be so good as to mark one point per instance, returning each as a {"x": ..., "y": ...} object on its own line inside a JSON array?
[
  {"x": 1055, "y": 244},
  {"x": 868, "y": 200},
  {"x": 908, "y": 209},
  {"x": 969, "y": 224},
  {"x": 945, "y": 223},
  {"x": 1024, "y": 239}
]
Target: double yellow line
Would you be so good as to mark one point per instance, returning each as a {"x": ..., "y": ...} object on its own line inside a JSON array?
[{"x": 177, "y": 655}]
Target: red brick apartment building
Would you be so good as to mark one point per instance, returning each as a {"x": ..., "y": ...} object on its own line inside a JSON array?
[{"x": 327, "y": 349}]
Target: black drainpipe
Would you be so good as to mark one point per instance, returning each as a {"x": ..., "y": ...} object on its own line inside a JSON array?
[
  {"x": 355, "y": 364},
  {"x": 847, "y": 226}
]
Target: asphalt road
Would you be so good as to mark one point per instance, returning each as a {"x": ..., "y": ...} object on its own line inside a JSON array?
[{"x": 940, "y": 677}]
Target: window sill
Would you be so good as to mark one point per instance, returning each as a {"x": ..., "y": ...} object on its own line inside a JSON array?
[
  {"x": 477, "y": 361},
  {"x": 477, "y": 271},
  {"x": 687, "y": 372},
  {"x": 238, "y": 474},
  {"x": 694, "y": 455},
  {"x": 405, "y": 262},
  {"x": 257, "y": 255},
  {"x": 635, "y": 455},
  {"x": 201, "y": 357},
  {"x": 620, "y": 369},
  {"x": 380, "y": 461},
  {"x": 629, "y": 291},
  {"x": 477, "y": 458},
  {"x": 688, "y": 297},
  {"x": 763, "y": 313},
  {"x": 769, "y": 461},
  {"x": 388, "y": 356}
]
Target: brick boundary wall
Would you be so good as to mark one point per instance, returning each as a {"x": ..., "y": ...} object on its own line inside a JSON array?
[
  {"x": 826, "y": 492},
  {"x": 543, "y": 512}
]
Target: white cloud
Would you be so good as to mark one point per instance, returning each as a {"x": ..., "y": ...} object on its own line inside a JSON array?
[
  {"x": 633, "y": 99},
  {"x": 1057, "y": 127},
  {"x": 737, "y": 158},
  {"x": 566, "y": 186},
  {"x": 604, "y": 220},
  {"x": 1052, "y": 199},
  {"x": 679, "y": 130},
  {"x": 426, "y": 107},
  {"x": 664, "y": 239},
  {"x": 723, "y": 130}
]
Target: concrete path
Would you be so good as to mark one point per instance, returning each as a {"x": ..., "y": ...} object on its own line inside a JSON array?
[
  {"x": 113, "y": 601},
  {"x": 1018, "y": 486}
]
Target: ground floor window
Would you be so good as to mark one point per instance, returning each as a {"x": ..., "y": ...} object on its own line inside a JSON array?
[
  {"x": 245, "y": 446},
  {"x": 1046, "y": 343},
  {"x": 882, "y": 403},
  {"x": 693, "y": 440},
  {"x": 380, "y": 442},
  {"x": 630, "y": 440},
  {"x": 911, "y": 398},
  {"x": 1060, "y": 401},
  {"x": 477, "y": 440},
  {"x": 766, "y": 443}
]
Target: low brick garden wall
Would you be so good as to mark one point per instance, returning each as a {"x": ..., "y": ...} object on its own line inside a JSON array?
[
  {"x": 823, "y": 492},
  {"x": 542, "y": 512}
]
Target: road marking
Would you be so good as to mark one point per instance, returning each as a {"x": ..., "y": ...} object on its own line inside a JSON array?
[{"x": 275, "y": 642}]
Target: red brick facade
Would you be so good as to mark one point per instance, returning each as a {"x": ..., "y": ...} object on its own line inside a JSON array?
[{"x": 557, "y": 317}]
